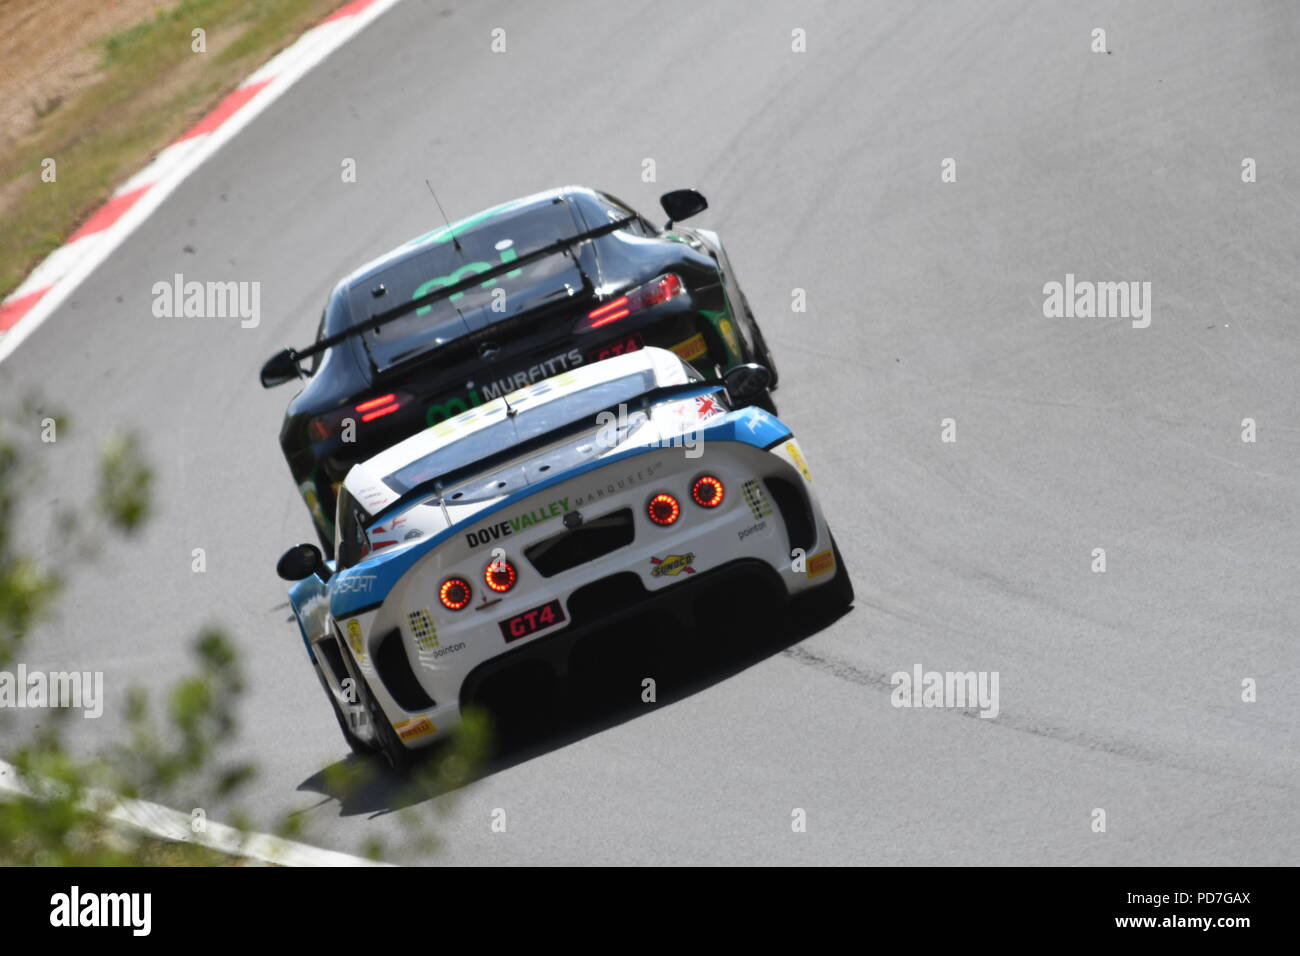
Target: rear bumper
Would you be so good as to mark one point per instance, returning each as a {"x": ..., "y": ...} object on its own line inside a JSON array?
[{"x": 621, "y": 599}]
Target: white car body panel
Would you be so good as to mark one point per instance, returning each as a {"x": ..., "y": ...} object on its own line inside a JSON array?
[{"x": 623, "y": 468}]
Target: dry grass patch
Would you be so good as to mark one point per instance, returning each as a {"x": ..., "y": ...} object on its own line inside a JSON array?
[{"x": 100, "y": 86}]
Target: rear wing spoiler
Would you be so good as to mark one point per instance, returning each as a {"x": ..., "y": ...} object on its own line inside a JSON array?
[
  {"x": 283, "y": 366},
  {"x": 436, "y": 486}
]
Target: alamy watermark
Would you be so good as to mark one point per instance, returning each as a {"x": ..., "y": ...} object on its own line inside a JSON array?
[
  {"x": 133, "y": 911},
  {"x": 179, "y": 299},
  {"x": 1085, "y": 299},
  {"x": 76, "y": 690},
  {"x": 615, "y": 428},
  {"x": 961, "y": 690}
]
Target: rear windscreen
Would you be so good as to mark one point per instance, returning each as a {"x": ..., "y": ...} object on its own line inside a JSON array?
[{"x": 485, "y": 243}]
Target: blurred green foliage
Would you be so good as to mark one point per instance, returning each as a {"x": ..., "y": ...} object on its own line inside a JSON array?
[{"x": 173, "y": 753}]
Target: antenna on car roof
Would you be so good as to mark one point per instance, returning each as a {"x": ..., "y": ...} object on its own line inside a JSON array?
[
  {"x": 454, "y": 241},
  {"x": 442, "y": 503}
]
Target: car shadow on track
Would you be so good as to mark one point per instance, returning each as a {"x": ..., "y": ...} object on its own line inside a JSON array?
[{"x": 604, "y": 688}]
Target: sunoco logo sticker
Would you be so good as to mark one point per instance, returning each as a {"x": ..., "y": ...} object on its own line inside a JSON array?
[{"x": 672, "y": 565}]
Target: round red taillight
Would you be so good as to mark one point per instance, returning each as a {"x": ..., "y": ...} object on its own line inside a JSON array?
[
  {"x": 500, "y": 575},
  {"x": 663, "y": 509},
  {"x": 707, "y": 491},
  {"x": 454, "y": 594}
]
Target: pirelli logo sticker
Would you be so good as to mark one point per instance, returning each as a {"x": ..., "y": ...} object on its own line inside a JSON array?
[
  {"x": 692, "y": 349},
  {"x": 414, "y": 729},
  {"x": 820, "y": 563}
]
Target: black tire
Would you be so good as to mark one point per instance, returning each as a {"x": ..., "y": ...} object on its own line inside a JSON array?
[
  {"x": 764, "y": 354},
  {"x": 355, "y": 743},
  {"x": 390, "y": 746}
]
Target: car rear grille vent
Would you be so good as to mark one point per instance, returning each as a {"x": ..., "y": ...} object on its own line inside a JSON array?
[{"x": 592, "y": 540}]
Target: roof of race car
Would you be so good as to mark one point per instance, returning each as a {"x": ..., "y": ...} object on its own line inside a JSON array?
[
  {"x": 462, "y": 228},
  {"x": 382, "y": 479},
  {"x": 514, "y": 231}
]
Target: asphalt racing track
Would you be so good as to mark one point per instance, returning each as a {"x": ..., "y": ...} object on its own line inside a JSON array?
[{"x": 1119, "y": 690}]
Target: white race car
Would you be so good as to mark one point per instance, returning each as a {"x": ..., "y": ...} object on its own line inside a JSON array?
[{"x": 560, "y": 512}]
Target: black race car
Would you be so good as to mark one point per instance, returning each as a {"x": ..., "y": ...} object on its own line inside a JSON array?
[{"x": 498, "y": 300}]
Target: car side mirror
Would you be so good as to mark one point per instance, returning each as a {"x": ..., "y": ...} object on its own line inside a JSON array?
[
  {"x": 682, "y": 204},
  {"x": 747, "y": 383},
  {"x": 280, "y": 368},
  {"x": 302, "y": 561}
]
